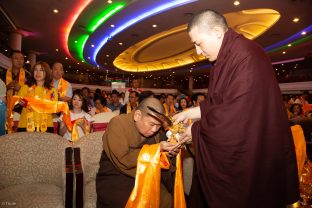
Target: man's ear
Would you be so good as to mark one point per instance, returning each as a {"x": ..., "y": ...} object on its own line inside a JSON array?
[
  {"x": 137, "y": 115},
  {"x": 218, "y": 31}
]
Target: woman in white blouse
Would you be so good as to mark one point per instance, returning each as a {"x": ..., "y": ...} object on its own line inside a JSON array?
[{"x": 79, "y": 115}]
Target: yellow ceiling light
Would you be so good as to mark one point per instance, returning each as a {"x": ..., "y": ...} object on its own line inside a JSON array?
[{"x": 173, "y": 48}]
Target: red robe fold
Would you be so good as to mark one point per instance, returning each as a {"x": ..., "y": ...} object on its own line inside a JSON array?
[{"x": 245, "y": 154}]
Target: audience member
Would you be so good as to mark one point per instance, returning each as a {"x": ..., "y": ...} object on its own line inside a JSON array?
[
  {"x": 15, "y": 75},
  {"x": 134, "y": 87},
  {"x": 64, "y": 88},
  {"x": 39, "y": 86},
  {"x": 78, "y": 115},
  {"x": 169, "y": 106},
  {"x": 115, "y": 104},
  {"x": 197, "y": 98},
  {"x": 132, "y": 103},
  {"x": 100, "y": 106}
]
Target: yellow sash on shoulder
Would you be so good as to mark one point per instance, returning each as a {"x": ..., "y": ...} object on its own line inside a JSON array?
[
  {"x": 9, "y": 78},
  {"x": 62, "y": 87},
  {"x": 146, "y": 191}
]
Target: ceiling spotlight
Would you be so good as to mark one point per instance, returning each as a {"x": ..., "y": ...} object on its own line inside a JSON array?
[
  {"x": 107, "y": 55},
  {"x": 92, "y": 45},
  {"x": 154, "y": 25},
  {"x": 120, "y": 43},
  {"x": 66, "y": 58},
  {"x": 284, "y": 52},
  {"x": 296, "y": 19},
  {"x": 57, "y": 50},
  {"x": 112, "y": 25},
  {"x": 236, "y": 3},
  {"x": 109, "y": 1},
  {"x": 6, "y": 50},
  {"x": 55, "y": 11},
  {"x": 76, "y": 41},
  {"x": 289, "y": 45},
  {"x": 303, "y": 33},
  {"x": 77, "y": 63},
  {"x": 89, "y": 57}
]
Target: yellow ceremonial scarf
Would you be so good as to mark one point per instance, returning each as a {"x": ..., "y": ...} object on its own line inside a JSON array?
[
  {"x": 75, "y": 134},
  {"x": 9, "y": 78},
  {"x": 300, "y": 146},
  {"x": 171, "y": 109},
  {"x": 146, "y": 191},
  {"x": 129, "y": 109},
  {"x": 61, "y": 87},
  {"x": 39, "y": 105}
]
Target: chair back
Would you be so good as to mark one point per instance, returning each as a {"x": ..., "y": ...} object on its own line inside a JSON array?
[{"x": 27, "y": 158}]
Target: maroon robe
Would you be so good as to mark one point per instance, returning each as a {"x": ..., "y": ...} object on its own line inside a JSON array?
[{"x": 245, "y": 155}]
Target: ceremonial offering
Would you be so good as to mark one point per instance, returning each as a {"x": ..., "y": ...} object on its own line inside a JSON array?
[{"x": 175, "y": 131}]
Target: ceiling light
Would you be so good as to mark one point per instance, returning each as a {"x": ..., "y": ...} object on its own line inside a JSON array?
[
  {"x": 77, "y": 63},
  {"x": 112, "y": 25},
  {"x": 57, "y": 50},
  {"x": 6, "y": 50},
  {"x": 120, "y": 43},
  {"x": 109, "y": 1},
  {"x": 154, "y": 25},
  {"x": 66, "y": 58},
  {"x": 55, "y": 11},
  {"x": 303, "y": 33},
  {"x": 284, "y": 52},
  {"x": 107, "y": 55},
  {"x": 236, "y": 3},
  {"x": 92, "y": 45},
  {"x": 89, "y": 57},
  {"x": 103, "y": 16},
  {"x": 289, "y": 45},
  {"x": 296, "y": 19},
  {"x": 149, "y": 12}
]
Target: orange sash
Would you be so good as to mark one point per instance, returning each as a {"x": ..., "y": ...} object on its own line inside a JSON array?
[
  {"x": 300, "y": 146},
  {"x": 39, "y": 105},
  {"x": 129, "y": 107},
  {"x": 146, "y": 191},
  {"x": 104, "y": 110},
  {"x": 9, "y": 78},
  {"x": 75, "y": 134},
  {"x": 172, "y": 109},
  {"x": 61, "y": 87}
]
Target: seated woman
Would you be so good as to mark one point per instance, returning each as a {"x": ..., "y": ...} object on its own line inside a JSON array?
[
  {"x": 182, "y": 104},
  {"x": 77, "y": 114},
  {"x": 39, "y": 86},
  {"x": 296, "y": 110},
  {"x": 99, "y": 106}
]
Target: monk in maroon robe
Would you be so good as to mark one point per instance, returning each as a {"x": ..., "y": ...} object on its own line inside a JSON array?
[{"x": 245, "y": 156}]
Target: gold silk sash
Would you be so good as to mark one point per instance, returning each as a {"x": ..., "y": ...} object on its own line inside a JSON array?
[
  {"x": 105, "y": 109},
  {"x": 9, "y": 78},
  {"x": 62, "y": 87},
  {"x": 129, "y": 107},
  {"x": 146, "y": 191},
  {"x": 75, "y": 134},
  {"x": 167, "y": 111},
  {"x": 41, "y": 106},
  {"x": 300, "y": 146}
]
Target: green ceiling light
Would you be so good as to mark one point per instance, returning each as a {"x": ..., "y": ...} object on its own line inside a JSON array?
[
  {"x": 78, "y": 46},
  {"x": 295, "y": 43},
  {"x": 103, "y": 16}
]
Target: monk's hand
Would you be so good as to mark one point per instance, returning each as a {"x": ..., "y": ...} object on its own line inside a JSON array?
[
  {"x": 11, "y": 85},
  {"x": 17, "y": 87},
  {"x": 171, "y": 148},
  {"x": 180, "y": 117}
]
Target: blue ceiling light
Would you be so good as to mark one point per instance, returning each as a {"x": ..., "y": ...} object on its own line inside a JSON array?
[
  {"x": 164, "y": 6},
  {"x": 292, "y": 38}
]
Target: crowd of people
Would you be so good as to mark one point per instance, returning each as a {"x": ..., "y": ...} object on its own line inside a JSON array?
[{"x": 244, "y": 150}]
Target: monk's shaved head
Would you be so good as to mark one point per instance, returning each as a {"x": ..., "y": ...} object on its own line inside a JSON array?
[
  {"x": 151, "y": 102},
  {"x": 206, "y": 20}
]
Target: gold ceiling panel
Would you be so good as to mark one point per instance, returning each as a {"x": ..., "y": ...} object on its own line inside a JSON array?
[{"x": 173, "y": 48}]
